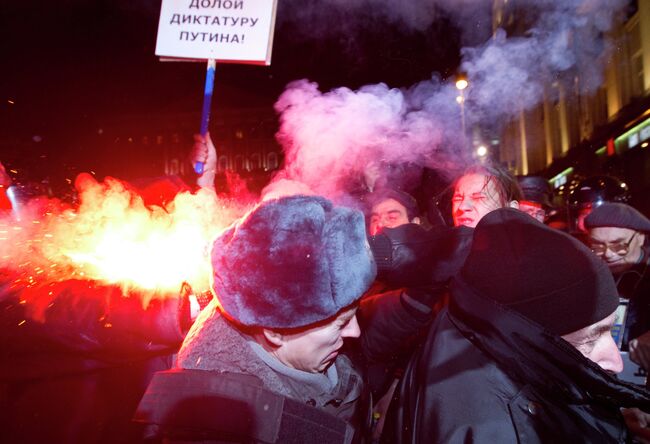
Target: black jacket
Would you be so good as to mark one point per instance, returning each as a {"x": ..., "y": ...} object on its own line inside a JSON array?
[
  {"x": 487, "y": 374},
  {"x": 634, "y": 285},
  {"x": 415, "y": 264}
]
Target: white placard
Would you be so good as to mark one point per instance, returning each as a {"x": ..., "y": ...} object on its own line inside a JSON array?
[{"x": 224, "y": 30}]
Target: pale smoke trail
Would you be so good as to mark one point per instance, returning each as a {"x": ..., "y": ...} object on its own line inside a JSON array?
[
  {"x": 567, "y": 41},
  {"x": 329, "y": 137}
]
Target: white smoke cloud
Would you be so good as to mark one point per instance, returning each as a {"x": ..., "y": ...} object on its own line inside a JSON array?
[
  {"x": 567, "y": 41},
  {"x": 329, "y": 137}
]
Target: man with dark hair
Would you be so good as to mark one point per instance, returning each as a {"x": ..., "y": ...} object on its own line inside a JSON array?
[
  {"x": 390, "y": 208},
  {"x": 264, "y": 364},
  {"x": 481, "y": 189},
  {"x": 523, "y": 353}
]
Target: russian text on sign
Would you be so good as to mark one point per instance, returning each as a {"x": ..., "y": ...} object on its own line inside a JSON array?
[
  {"x": 219, "y": 4},
  {"x": 224, "y": 20}
]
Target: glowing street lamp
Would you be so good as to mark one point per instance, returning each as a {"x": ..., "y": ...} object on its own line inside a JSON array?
[
  {"x": 461, "y": 85},
  {"x": 481, "y": 151},
  {"x": 461, "y": 82}
]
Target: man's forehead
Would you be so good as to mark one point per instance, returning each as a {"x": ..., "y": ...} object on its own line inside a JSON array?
[
  {"x": 388, "y": 204},
  {"x": 350, "y": 311},
  {"x": 474, "y": 183},
  {"x": 606, "y": 234},
  {"x": 601, "y": 326},
  {"x": 591, "y": 331},
  {"x": 346, "y": 313}
]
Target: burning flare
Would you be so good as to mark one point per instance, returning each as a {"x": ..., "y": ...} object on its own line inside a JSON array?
[{"x": 113, "y": 238}]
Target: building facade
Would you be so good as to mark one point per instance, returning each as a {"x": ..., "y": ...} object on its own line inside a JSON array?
[
  {"x": 570, "y": 136},
  {"x": 160, "y": 145}
]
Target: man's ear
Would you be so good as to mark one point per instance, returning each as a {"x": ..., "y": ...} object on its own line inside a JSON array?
[
  {"x": 514, "y": 204},
  {"x": 416, "y": 220},
  {"x": 273, "y": 337}
]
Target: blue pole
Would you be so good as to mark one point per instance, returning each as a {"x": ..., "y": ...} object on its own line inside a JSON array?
[{"x": 207, "y": 101}]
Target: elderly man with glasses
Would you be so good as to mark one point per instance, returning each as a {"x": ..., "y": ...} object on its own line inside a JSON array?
[{"x": 618, "y": 234}]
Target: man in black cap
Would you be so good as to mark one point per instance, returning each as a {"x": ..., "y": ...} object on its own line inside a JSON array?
[
  {"x": 263, "y": 362},
  {"x": 390, "y": 208},
  {"x": 537, "y": 196},
  {"x": 618, "y": 234},
  {"x": 524, "y": 351}
]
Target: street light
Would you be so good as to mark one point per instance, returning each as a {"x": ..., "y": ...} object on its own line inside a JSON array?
[
  {"x": 461, "y": 84},
  {"x": 481, "y": 151}
]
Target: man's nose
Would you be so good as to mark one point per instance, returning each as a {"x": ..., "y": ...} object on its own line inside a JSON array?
[
  {"x": 464, "y": 205},
  {"x": 379, "y": 225},
  {"x": 611, "y": 360},
  {"x": 352, "y": 330},
  {"x": 608, "y": 254}
]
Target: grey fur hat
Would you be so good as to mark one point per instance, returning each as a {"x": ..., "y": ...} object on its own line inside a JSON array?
[{"x": 292, "y": 262}]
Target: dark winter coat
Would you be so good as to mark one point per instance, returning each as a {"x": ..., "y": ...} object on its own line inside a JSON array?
[
  {"x": 487, "y": 374},
  {"x": 393, "y": 322},
  {"x": 216, "y": 351},
  {"x": 634, "y": 285}
]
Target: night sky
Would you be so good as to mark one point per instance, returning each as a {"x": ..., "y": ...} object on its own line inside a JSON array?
[{"x": 70, "y": 64}]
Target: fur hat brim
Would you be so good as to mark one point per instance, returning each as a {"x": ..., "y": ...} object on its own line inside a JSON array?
[{"x": 292, "y": 262}]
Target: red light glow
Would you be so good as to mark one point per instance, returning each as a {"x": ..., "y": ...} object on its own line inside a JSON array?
[{"x": 113, "y": 238}]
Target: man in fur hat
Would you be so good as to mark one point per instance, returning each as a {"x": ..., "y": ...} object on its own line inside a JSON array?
[{"x": 263, "y": 363}]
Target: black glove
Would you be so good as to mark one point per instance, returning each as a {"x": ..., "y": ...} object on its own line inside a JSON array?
[
  {"x": 400, "y": 254},
  {"x": 410, "y": 256}
]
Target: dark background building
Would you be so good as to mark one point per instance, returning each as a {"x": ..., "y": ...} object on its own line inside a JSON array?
[
  {"x": 81, "y": 88},
  {"x": 571, "y": 136}
]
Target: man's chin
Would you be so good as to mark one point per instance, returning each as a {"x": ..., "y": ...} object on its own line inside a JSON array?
[
  {"x": 618, "y": 267},
  {"x": 326, "y": 364}
]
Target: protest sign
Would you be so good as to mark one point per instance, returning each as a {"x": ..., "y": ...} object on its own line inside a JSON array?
[{"x": 223, "y": 30}]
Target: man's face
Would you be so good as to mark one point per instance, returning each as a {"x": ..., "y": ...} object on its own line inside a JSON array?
[
  {"x": 621, "y": 248},
  {"x": 314, "y": 349},
  {"x": 596, "y": 343},
  {"x": 534, "y": 209},
  {"x": 474, "y": 197},
  {"x": 388, "y": 213}
]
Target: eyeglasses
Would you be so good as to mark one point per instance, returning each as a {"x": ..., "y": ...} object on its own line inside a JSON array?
[{"x": 620, "y": 248}]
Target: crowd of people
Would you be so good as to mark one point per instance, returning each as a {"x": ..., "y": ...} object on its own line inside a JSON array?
[{"x": 334, "y": 324}]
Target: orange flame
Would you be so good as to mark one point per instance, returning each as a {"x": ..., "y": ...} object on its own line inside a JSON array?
[{"x": 113, "y": 238}]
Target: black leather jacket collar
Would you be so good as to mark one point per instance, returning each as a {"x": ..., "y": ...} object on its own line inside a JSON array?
[{"x": 530, "y": 354}]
